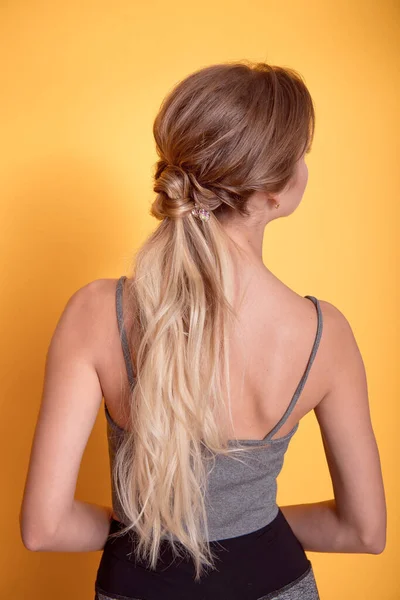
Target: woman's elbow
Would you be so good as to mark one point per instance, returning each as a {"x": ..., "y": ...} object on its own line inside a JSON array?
[
  {"x": 373, "y": 543},
  {"x": 376, "y": 547}
]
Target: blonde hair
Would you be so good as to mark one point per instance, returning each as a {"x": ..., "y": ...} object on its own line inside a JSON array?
[{"x": 221, "y": 134}]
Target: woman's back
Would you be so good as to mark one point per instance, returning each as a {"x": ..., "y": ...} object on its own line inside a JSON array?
[
  {"x": 269, "y": 355},
  {"x": 245, "y": 525}
]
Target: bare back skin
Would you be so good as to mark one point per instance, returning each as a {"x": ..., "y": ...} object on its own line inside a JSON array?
[{"x": 269, "y": 354}]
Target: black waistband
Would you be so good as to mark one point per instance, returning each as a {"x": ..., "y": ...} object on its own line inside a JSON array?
[{"x": 247, "y": 567}]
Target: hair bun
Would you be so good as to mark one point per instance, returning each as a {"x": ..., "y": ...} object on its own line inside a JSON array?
[
  {"x": 174, "y": 182},
  {"x": 180, "y": 193},
  {"x": 174, "y": 188}
]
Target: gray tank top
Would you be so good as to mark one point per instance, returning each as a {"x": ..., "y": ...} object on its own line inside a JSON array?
[{"x": 240, "y": 498}]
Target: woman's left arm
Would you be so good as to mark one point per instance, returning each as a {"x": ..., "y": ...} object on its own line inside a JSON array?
[
  {"x": 84, "y": 529},
  {"x": 51, "y": 519}
]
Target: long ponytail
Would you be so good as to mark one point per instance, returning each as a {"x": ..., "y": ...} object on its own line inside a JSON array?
[{"x": 222, "y": 133}]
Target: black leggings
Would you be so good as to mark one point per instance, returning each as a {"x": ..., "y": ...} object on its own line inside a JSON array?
[{"x": 249, "y": 567}]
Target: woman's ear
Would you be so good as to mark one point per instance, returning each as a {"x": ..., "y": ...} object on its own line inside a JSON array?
[{"x": 274, "y": 200}]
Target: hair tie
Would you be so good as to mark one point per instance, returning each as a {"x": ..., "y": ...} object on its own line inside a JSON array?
[{"x": 201, "y": 213}]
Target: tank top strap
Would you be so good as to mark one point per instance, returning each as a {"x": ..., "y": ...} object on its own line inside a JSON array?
[
  {"x": 122, "y": 332},
  {"x": 303, "y": 380}
]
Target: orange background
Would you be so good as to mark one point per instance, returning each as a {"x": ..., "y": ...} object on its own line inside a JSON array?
[{"x": 81, "y": 84}]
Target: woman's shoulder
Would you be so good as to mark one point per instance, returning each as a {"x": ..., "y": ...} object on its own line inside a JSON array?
[
  {"x": 90, "y": 291},
  {"x": 338, "y": 330},
  {"x": 91, "y": 307}
]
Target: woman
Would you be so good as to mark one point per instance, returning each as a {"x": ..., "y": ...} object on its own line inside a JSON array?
[{"x": 207, "y": 363}]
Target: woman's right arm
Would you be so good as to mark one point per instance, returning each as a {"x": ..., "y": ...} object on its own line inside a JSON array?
[{"x": 355, "y": 520}]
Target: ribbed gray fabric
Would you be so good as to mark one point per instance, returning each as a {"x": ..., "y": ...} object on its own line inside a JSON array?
[{"x": 240, "y": 497}]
